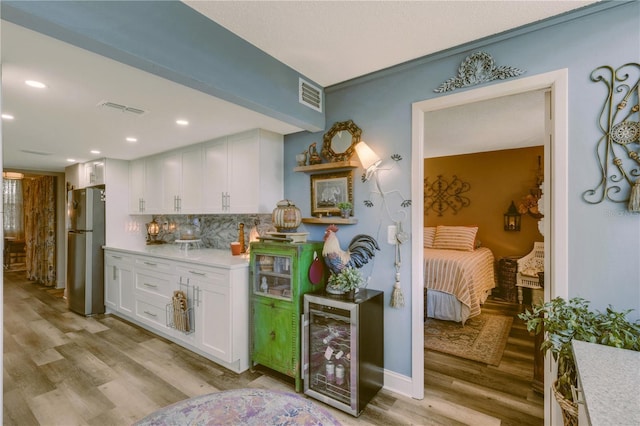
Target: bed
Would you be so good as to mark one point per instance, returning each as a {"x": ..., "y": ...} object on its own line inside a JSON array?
[{"x": 458, "y": 275}]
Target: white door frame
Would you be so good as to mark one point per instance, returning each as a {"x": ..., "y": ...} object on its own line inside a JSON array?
[{"x": 556, "y": 203}]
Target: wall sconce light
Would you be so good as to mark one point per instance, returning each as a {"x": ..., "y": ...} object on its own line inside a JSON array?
[
  {"x": 512, "y": 218},
  {"x": 369, "y": 159}
]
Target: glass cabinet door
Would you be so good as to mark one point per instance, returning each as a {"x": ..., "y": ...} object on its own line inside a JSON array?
[
  {"x": 272, "y": 276},
  {"x": 330, "y": 353}
]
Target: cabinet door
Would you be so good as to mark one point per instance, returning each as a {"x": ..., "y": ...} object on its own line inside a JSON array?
[
  {"x": 273, "y": 337},
  {"x": 244, "y": 173},
  {"x": 94, "y": 172},
  {"x": 127, "y": 296},
  {"x": 213, "y": 327},
  {"x": 153, "y": 182},
  {"x": 215, "y": 177},
  {"x": 171, "y": 181},
  {"x": 111, "y": 287},
  {"x": 118, "y": 274},
  {"x": 192, "y": 181},
  {"x": 136, "y": 186}
]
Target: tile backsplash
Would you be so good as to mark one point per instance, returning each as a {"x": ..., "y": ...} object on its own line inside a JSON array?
[{"x": 215, "y": 231}]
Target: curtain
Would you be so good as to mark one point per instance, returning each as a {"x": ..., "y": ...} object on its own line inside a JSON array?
[
  {"x": 40, "y": 229},
  {"x": 13, "y": 212}
]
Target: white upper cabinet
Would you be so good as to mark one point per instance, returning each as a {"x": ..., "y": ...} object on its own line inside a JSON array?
[
  {"x": 145, "y": 185},
  {"x": 243, "y": 173},
  {"x": 153, "y": 184},
  {"x": 94, "y": 172},
  {"x": 182, "y": 181},
  {"x": 136, "y": 185},
  {"x": 216, "y": 176},
  {"x": 82, "y": 175}
]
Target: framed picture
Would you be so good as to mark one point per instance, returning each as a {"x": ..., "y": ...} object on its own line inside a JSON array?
[{"x": 329, "y": 189}]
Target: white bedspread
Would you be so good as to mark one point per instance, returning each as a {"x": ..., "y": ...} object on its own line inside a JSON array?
[{"x": 467, "y": 275}]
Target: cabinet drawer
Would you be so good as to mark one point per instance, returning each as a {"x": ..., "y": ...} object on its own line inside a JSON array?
[
  {"x": 154, "y": 283},
  {"x": 154, "y": 313},
  {"x": 117, "y": 258},
  {"x": 152, "y": 264},
  {"x": 202, "y": 275}
]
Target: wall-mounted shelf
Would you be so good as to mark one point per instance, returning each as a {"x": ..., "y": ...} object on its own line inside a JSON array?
[
  {"x": 329, "y": 220},
  {"x": 315, "y": 168}
]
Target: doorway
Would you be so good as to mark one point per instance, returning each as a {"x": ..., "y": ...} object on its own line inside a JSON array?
[
  {"x": 42, "y": 255},
  {"x": 555, "y": 190}
]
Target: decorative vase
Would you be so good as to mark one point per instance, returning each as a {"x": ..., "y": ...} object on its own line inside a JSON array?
[
  {"x": 286, "y": 217},
  {"x": 345, "y": 213}
]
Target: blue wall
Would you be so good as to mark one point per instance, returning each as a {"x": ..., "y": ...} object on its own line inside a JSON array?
[{"x": 604, "y": 239}]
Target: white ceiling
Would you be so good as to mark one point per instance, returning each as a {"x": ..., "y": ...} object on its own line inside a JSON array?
[{"x": 328, "y": 41}]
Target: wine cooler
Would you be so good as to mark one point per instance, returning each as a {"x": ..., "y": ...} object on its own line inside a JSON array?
[{"x": 343, "y": 349}]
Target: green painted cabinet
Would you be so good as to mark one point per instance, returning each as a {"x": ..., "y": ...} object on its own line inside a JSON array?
[{"x": 279, "y": 278}]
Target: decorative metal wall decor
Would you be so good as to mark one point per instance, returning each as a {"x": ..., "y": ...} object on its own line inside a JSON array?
[
  {"x": 405, "y": 202},
  {"x": 442, "y": 195},
  {"x": 619, "y": 123},
  {"x": 478, "y": 68}
]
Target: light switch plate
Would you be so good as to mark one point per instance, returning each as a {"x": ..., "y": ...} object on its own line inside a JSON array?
[{"x": 391, "y": 234}]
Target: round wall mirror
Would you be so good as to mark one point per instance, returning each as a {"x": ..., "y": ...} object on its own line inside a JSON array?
[{"x": 339, "y": 142}]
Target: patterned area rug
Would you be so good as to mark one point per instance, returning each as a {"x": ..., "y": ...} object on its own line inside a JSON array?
[
  {"x": 257, "y": 407},
  {"x": 482, "y": 338}
]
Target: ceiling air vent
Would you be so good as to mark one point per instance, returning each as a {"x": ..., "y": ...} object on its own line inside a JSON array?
[
  {"x": 309, "y": 95},
  {"x": 123, "y": 108},
  {"x": 30, "y": 151}
]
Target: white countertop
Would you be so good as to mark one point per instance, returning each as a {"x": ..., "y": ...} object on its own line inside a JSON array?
[
  {"x": 201, "y": 256},
  {"x": 611, "y": 383}
]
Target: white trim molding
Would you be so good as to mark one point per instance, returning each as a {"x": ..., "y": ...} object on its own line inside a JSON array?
[{"x": 556, "y": 187}]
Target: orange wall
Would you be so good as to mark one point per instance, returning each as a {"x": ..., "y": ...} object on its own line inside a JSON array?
[{"x": 496, "y": 178}]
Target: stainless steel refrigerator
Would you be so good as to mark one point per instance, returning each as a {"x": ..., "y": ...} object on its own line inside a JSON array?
[{"x": 85, "y": 259}]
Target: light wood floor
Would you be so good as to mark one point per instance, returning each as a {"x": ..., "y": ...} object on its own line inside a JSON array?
[{"x": 64, "y": 369}]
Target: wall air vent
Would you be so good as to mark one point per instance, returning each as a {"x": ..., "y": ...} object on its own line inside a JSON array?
[
  {"x": 309, "y": 95},
  {"x": 119, "y": 107}
]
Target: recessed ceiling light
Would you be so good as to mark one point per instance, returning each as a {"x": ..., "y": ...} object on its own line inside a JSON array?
[
  {"x": 8, "y": 116},
  {"x": 71, "y": 160},
  {"x": 132, "y": 139},
  {"x": 95, "y": 151},
  {"x": 182, "y": 122},
  {"x": 36, "y": 84}
]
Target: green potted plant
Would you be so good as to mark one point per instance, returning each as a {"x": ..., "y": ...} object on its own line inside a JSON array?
[
  {"x": 349, "y": 279},
  {"x": 564, "y": 321},
  {"x": 345, "y": 209}
]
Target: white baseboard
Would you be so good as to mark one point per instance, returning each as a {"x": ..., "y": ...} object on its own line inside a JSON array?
[{"x": 398, "y": 383}]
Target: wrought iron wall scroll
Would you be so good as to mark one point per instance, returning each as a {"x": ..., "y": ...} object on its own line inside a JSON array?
[
  {"x": 478, "y": 68},
  {"x": 617, "y": 150},
  {"x": 442, "y": 195}
]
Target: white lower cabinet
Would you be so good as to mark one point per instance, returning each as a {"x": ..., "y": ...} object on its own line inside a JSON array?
[
  {"x": 118, "y": 271},
  {"x": 140, "y": 289},
  {"x": 211, "y": 304},
  {"x": 220, "y": 310}
]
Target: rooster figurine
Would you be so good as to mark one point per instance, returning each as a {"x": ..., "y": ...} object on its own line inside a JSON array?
[{"x": 361, "y": 250}]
